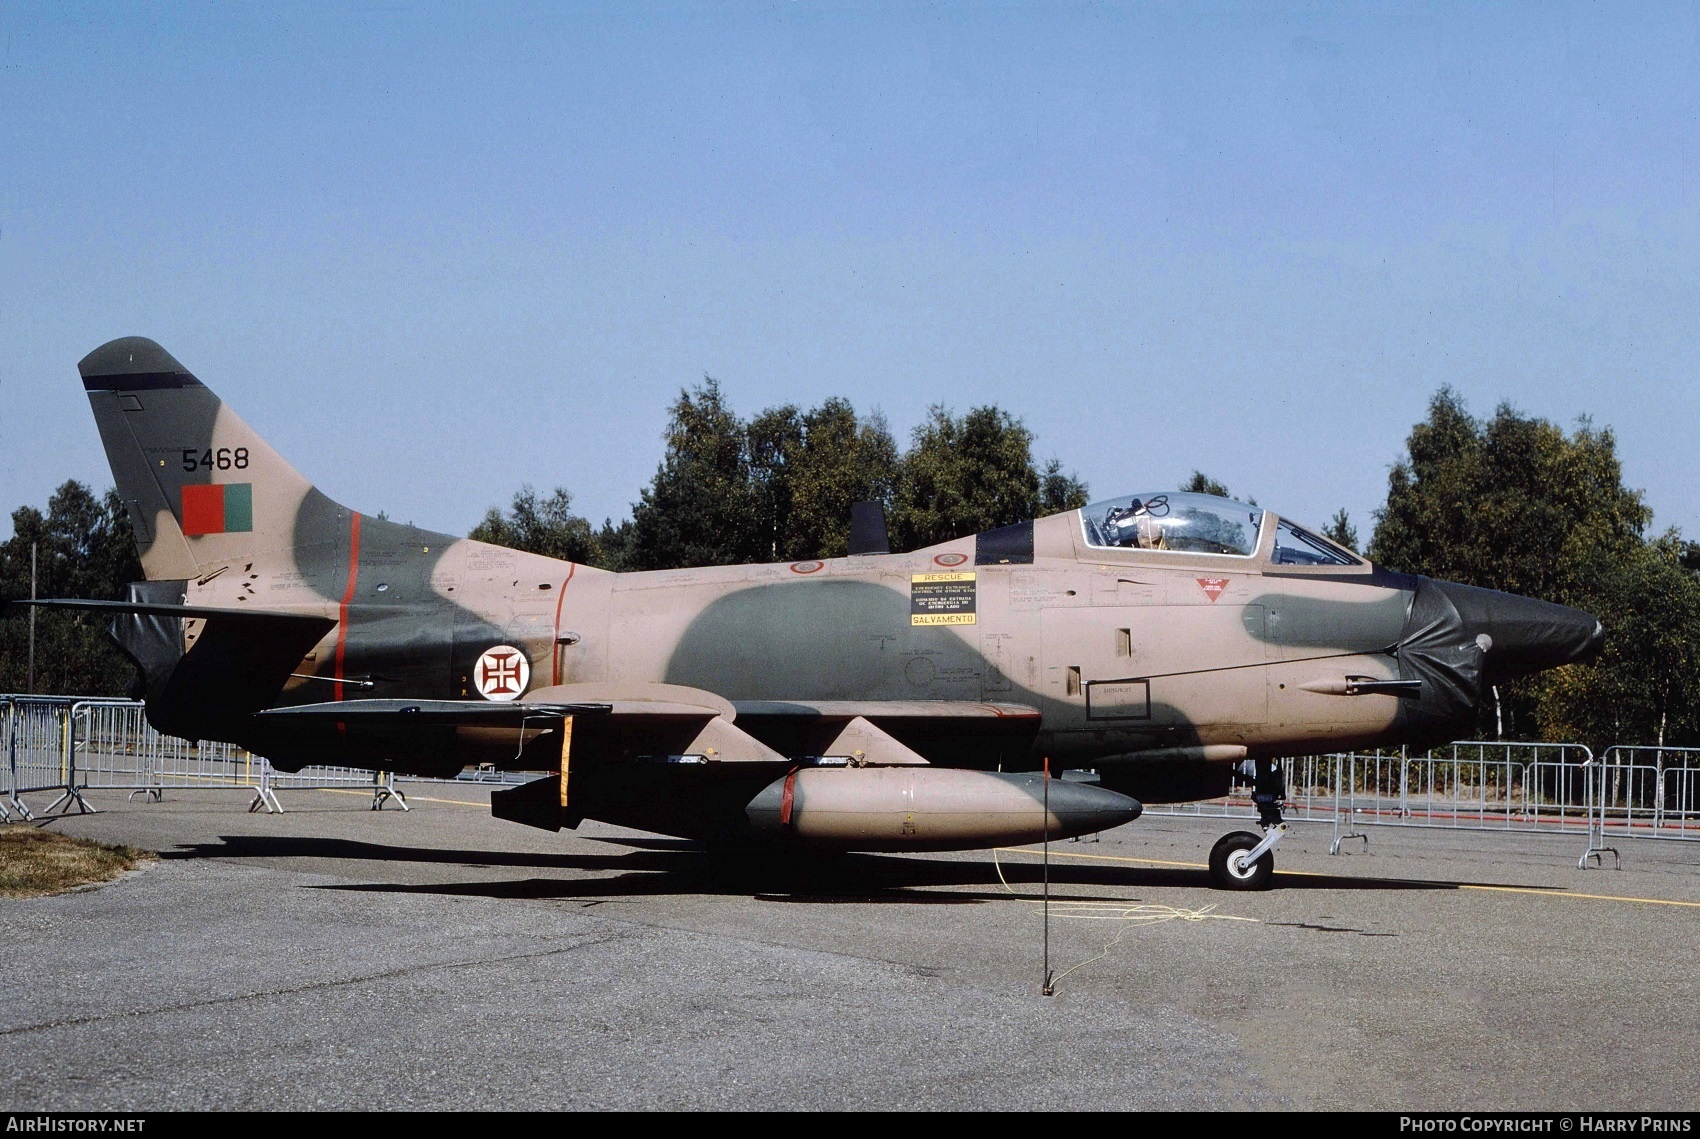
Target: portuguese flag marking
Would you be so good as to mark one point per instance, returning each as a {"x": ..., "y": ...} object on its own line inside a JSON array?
[{"x": 220, "y": 508}]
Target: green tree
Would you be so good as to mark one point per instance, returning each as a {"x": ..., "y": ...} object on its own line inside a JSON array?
[
  {"x": 1514, "y": 503},
  {"x": 963, "y": 475},
  {"x": 838, "y": 459},
  {"x": 805, "y": 469},
  {"x": 701, "y": 508},
  {"x": 84, "y": 548},
  {"x": 616, "y": 542},
  {"x": 1059, "y": 492},
  {"x": 1645, "y": 687},
  {"x": 776, "y": 439},
  {"x": 1201, "y": 483},
  {"x": 780, "y": 487},
  {"x": 547, "y": 526}
]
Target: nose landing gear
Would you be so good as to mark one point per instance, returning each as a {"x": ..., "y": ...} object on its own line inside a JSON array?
[{"x": 1242, "y": 860}]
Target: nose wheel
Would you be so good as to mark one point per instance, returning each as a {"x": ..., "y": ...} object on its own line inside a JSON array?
[
  {"x": 1234, "y": 866},
  {"x": 1242, "y": 860}
]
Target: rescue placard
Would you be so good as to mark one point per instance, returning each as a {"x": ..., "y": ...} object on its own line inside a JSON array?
[{"x": 941, "y": 599}]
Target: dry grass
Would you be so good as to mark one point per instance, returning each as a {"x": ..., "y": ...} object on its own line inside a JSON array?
[{"x": 34, "y": 862}]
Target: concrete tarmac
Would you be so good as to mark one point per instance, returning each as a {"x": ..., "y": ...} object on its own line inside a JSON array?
[{"x": 336, "y": 957}]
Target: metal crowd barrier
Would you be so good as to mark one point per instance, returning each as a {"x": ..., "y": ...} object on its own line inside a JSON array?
[
  {"x": 380, "y": 783},
  {"x": 1643, "y": 792},
  {"x": 8, "y": 794},
  {"x": 1473, "y": 785},
  {"x": 1310, "y": 783},
  {"x": 6, "y": 809},
  {"x": 1470, "y": 785},
  {"x": 115, "y": 748},
  {"x": 38, "y": 754},
  {"x": 71, "y": 745}
]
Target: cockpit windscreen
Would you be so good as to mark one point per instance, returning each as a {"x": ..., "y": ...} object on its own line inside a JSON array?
[
  {"x": 1296, "y": 546},
  {"x": 1173, "y": 520}
]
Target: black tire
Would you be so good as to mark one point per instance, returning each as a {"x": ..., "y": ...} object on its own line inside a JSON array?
[{"x": 1254, "y": 877}]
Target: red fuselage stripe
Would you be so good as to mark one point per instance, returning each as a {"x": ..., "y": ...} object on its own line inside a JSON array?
[
  {"x": 788, "y": 798},
  {"x": 347, "y": 596},
  {"x": 555, "y": 649}
]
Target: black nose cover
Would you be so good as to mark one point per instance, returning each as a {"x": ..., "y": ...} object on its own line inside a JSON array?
[
  {"x": 1459, "y": 639},
  {"x": 1436, "y": 649},
  {"x": 1526, "y": 635}
]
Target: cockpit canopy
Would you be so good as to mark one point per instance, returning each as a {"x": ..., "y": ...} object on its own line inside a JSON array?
[
  {"x": 1174, "y": 520},
  {"x": 1183, "y": 522}
]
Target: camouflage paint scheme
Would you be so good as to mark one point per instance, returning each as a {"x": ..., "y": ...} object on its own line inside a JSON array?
[{"x": 1158, "y": 668}]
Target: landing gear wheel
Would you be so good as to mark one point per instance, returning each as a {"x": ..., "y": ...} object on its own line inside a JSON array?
[{"x": 1230, "y": 871}]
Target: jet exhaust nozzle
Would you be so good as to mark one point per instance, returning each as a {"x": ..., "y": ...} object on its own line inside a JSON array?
[{"x": 928, "y": 808}]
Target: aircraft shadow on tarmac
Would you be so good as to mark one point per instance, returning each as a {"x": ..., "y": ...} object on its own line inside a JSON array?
[{"x": 656, "y": 867}]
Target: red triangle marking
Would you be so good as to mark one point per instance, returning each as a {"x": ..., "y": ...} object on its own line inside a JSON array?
[{"x": 1213, "y": 587}]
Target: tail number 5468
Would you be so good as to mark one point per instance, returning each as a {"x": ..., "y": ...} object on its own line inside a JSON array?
[{"x": 223, "y": 459}]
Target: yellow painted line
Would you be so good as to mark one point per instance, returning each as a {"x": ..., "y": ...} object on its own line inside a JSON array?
[
  {"x": 368, "y": 794},
  {"x": 1568, "y": 894},
  {"x": 1324, "y": 874}
]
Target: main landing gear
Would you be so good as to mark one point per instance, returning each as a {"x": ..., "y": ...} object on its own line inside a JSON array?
[{"x": 1242, "y": 860}]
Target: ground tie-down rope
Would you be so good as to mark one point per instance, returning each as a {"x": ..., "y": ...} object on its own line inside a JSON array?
[{"x": 1129, "y": 914}]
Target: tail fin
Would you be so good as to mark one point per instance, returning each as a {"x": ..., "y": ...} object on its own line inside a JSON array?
[{"x": 201, "y": 488}]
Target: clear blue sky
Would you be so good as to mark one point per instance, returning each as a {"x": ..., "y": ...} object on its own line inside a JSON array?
[{"x": 433, "y": 252}]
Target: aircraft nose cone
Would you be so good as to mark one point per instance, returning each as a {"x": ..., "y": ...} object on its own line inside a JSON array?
[{"x": 1524, "y": 635}]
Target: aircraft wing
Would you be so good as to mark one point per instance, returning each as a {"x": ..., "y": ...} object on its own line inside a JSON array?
[
  {"x": 636, "y": 724},
  {"x": 879, "y": 710},
  {"x": 632, "y": 721},
  {"x": 435, "y": 713}
]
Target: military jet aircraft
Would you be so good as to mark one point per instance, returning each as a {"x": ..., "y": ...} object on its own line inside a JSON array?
[{"x": 876, "y": 702}]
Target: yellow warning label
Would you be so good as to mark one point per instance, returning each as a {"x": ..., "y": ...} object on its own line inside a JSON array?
[
  {"x": 941, "y": 619},
  {"x": 941, "y": 599}
]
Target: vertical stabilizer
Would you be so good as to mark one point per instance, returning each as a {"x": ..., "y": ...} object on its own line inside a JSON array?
[{"x": 201, "y": 488}]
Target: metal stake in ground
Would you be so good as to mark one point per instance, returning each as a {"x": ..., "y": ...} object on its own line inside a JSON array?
[{"x": 1047, "y": 988}]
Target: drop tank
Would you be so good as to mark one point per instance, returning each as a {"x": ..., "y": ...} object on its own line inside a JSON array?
[{"x": 914, "y": 807}]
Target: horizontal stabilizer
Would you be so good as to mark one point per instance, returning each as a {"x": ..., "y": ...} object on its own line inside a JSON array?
[{"x": 156, "y": 609}]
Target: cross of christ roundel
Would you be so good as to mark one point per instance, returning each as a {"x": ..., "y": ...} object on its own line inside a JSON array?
[{"x": 502, "y": 673}]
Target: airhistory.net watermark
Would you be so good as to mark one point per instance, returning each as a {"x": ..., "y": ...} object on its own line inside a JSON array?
[{"x": 54, "y": 1124}]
